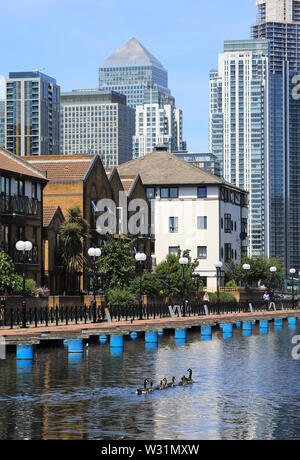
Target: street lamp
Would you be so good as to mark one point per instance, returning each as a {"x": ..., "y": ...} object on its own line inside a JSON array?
[
  {"x": 273, "y": 270},
  {"x": 140, "y": 257},
  {"x": 95, "y": 253},
  {"x": 183, "y": 262},
  {"x": 24, "y": 247},
  {"x": 292, "y": 272},
  {"x": 247, "y": 268},
  {"x": 218, "y": 266}
]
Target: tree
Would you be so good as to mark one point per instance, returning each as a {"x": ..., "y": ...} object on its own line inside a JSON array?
[
  {"x": 10, "y": 282},
  {"x": 259, "y": 272},
  {"x": 116, "y": 264},
  {"x": 152, "y": 285},
  {"x": 72, "y": 234},
  {"x": 171, "y": 267}
]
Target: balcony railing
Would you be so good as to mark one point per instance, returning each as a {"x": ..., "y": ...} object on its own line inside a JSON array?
[{"x": 18, "y": 205}]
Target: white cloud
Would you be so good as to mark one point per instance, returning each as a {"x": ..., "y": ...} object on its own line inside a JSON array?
[{"x": 2, "y": 87}]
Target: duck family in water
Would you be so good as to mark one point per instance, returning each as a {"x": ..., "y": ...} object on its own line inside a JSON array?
[{"x": 165, "y": 384}]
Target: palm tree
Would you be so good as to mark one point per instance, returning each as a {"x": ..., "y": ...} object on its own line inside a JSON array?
[{"x": 72, "y": 233}]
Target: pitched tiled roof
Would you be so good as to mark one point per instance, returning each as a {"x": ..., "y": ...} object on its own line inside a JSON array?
[
  {"x": 163, "y": 168},
  {"x": 127, "y": 182},
  {"x": 15, "y": 164},
  {"x": 64, "y": 169},
  {"x": 48, "y": 214}
]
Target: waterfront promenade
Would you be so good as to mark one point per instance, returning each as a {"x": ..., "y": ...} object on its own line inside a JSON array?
[{"x": 33, "y": 335}]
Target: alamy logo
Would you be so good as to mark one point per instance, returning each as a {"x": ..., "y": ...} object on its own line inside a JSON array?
[
  {"x": 296, "y": 349},
  {"x": 2, "y": 347},
  {"x": 296, "y": 87}
]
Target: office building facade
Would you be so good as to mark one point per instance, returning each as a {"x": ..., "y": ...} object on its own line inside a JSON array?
[
  {"x": 32, "y": 114},
  {"x": 130, "y": 70},
  {"x": 157, "y": 122},
  {"x": 97, "y": 123}
]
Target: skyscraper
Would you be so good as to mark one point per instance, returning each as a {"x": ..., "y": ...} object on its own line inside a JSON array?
[
  {"x": 158, "y": 121},
  {"x": 2, "y": 124},
  {"x": 238, "y": 113},
  {"x": 132, "y": 69},
  {"x": 271, "y": 130},
  {"x": 32, "y": 114},
  {"x": 278, "y": 21},
  {"x": 97, "y": 122}
]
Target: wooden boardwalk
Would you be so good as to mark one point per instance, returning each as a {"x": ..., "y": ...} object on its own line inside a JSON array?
[{"x": 84, "y": 331}]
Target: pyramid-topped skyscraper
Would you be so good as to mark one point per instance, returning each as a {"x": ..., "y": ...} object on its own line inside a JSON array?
[{"x": 132, "y": 69}]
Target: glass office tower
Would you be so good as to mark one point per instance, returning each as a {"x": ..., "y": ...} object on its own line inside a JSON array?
[
  {"x": 238, "y": 113},
  {"x": 278, "y": 21},
  {"x": 130, "y": 70},
  {"x": 32, "y": 114}
]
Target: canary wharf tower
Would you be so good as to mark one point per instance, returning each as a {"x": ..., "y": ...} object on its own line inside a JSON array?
[
  {"x": 131, "y": 70},
  {"x": 278, "y": 21}
]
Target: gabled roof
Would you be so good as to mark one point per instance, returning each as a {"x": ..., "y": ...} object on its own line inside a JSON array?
[
  {"x": 16, "y": 164},
  {"x": 132, "y": 53},
  {"x": 64, "y": 168},
  {"x": 163, "y": 168},
  {"x": 127, "y": 182},
  {"x": 48, "y": 214}
]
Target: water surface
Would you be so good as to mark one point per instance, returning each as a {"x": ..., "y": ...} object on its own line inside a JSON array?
[{"x": 247, "y": 387}]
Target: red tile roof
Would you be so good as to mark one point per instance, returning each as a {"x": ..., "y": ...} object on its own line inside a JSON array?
[
  {"x": 48, "y": 214},
  {"x": 15, "y": 164},
  {"x": 64, "y": 169}
]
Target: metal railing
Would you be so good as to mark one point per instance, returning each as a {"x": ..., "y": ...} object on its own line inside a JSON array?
[
  {"x": 58, "y": 316},
  {"x": 21, "y": 205}
]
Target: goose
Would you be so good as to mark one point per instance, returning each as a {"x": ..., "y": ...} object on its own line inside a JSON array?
[
  {"x": 172, "y": 384},
  {"x": 183, "y": 381},
  {"x": 151, "y": 387},
  {"x": 161, "y": 386},
  {"x": 189, "y": 379},
  {"x": 144, "y": 390}
]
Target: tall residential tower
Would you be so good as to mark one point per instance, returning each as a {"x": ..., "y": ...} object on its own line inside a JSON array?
[
  {"x": 238, "y": 115},
  {"x": 32, "y": 114},
  {"x": 278, "y": 21}
]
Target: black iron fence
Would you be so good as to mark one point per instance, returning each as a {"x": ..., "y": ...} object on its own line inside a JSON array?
[{"x": 39, "y": 316}]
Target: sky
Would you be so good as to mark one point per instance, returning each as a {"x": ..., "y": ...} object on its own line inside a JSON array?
[{"x": 70, "y": 39}]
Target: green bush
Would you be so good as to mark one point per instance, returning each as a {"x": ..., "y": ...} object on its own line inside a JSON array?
[
  {"x": 30, "y": 287},
  {"x": 224, "y": 297},
  {"x": 231, "y": 283},
  {"x": 121, "y": 297}
]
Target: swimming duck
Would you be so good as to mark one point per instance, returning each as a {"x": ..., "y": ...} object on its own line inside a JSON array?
[
  {"x": 172, "y": 384},
  {"x": 189, "y": 379},
  {"x": 144, "y": 390}
]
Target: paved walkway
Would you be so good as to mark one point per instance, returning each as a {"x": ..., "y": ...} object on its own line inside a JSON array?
[{"x": 130, "y": 326}]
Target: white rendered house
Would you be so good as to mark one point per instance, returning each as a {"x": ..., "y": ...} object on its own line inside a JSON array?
[{"x": 192, "y": 209}]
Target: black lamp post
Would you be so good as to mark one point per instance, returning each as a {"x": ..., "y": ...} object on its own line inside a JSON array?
[
  {"x": 141, "y": 258},
  {"x": 183, "y": 262},
  {"x": 247, "y": 268},
  {"x": 218, "y": 266},
  {"x": 292, "y": 272},
  {"x": 95, "y": 253},
  {"x": 273, "y": 270},
  {"x": 25, "y": 247}
]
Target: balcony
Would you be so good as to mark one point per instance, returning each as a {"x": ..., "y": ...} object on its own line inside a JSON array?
[{"x": 18, "y": 205}]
